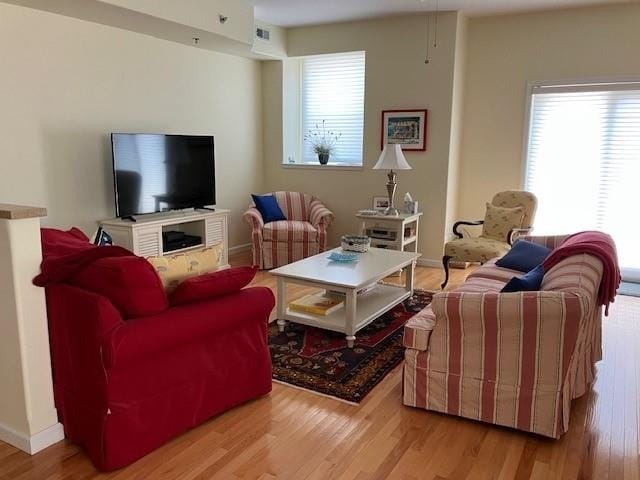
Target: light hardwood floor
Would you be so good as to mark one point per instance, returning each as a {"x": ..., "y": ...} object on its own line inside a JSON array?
[{"x": 292, "y": 434}]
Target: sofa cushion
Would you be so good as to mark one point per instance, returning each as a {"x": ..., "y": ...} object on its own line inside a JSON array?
[
  {"x": 524, "y": 256},
  {"x": 174, "y": 269},
  {"x": 268, "y": 207},
  {"x": 211, "y": 285},
  {"x": 295, "y": 205},
  {"x": 498, "y": 221},
  {"x": 130, "y": 283},
  {"x": 491, "y": 271},
  {"x": 289, "y": 231},
  {"x": 475, "y": 249},
  {"x": 481, "y": 285},
  {"x": 530, "y": 281},
  {"x": 56, "y": 243}
]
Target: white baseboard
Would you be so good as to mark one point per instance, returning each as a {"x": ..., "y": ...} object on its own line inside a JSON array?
[
  {"x": 240, "y": 248},
  {"x": 428, "y": 262},
  {"x": 32, "y": 444}
]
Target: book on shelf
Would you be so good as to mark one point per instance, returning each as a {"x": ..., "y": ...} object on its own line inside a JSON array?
[
  {"x": 317, "y": 304},
  {"x": 342, "y": 295}
]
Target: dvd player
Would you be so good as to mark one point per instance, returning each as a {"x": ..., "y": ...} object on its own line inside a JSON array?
[{"x": 177, "y": 242}]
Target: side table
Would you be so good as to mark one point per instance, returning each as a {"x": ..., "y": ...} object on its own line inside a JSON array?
[{"x": 394, "y": 232}]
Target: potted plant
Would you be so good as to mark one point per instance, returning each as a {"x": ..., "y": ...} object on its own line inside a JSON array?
[{"x": 323, "y": 141}]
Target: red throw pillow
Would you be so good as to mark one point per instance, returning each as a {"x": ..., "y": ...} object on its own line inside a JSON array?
[
  {"x": 211, "y": 285},
  {"x": 130, "y": 283},
  {"x": 58, "y": 242}
]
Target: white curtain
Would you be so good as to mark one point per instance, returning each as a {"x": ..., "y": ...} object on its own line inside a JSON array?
[
  {"x": 333, "y": 91},
  {"x": 583, "y": 162}
]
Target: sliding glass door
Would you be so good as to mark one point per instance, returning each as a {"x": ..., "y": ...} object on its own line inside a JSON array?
[{"x": 583, "y": 162}]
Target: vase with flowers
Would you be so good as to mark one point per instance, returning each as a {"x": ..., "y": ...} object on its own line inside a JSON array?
[{"x": 322, "y": 141}]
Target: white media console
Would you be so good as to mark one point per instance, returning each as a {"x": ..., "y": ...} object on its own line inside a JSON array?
[{"x": 144, "y": 236}]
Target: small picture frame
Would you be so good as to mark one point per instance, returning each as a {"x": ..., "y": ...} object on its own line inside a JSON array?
[
  {"x": 380, "y": 204},
  {"x": 406, "y": 127}
]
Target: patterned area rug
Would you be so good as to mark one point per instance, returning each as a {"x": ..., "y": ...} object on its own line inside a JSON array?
[{"x": 319, "y": 360}]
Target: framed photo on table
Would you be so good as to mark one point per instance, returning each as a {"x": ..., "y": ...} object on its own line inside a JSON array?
[
  {"x": 407, "y": 127},
  {"x": 380, "y": 203}
]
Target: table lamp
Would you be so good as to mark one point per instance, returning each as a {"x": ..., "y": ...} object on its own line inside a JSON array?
[{"x": 392, "y": 159}]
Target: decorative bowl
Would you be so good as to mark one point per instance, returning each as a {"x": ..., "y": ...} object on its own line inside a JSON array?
[
  {"x": 356, "y": 243},
  {"x": 343, "y": 257}
]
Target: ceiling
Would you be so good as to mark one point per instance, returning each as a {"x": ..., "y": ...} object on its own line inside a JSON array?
[{"x": 291, "y": 13}]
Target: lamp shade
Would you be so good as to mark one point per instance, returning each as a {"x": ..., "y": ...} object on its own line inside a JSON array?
[{"x": 392, "y": 158}]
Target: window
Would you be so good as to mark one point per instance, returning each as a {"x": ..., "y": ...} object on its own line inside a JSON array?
[
  {"x": 332, "y": 90},
  {"x": 583, "y": 161}
]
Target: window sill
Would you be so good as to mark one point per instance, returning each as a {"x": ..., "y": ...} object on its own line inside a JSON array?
[{"x": 328, "y": 166}]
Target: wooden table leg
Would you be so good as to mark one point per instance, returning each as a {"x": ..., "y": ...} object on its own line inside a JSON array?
[
  {"x": 282, "y": 303},
  {"x": 350, "y": 313}
]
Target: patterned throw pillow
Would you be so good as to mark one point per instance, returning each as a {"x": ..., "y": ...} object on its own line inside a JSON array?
[
  {"x": 174, "y": 269},
  {"x": 499, "y": 220}
]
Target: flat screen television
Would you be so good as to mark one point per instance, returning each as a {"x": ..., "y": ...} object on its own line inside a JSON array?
[{"x": 155, "y": 173}]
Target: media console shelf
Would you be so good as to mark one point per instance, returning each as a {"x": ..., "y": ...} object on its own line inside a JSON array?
[{"x": 144, "y": 236}]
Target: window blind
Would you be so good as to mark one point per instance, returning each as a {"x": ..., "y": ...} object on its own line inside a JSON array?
[
  {"x": 333, "y": 91},
  {"x": 583, "y": 161}
]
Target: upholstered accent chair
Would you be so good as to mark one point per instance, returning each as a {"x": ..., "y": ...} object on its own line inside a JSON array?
[
  {"x": 301, "y": 235},
  {"x": 503, "y": 224}
]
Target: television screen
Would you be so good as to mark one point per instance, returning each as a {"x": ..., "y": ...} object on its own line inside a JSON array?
[{"x": 155, "y": 173}]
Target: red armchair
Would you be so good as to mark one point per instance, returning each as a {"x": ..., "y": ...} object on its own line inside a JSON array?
[{"x": 124, "y": 386}]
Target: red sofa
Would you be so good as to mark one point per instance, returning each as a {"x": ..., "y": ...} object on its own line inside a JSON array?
[{"x": 126, "y": 383}]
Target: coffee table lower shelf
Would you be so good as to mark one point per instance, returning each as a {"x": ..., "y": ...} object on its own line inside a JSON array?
[{"x": 367, "y": 307}]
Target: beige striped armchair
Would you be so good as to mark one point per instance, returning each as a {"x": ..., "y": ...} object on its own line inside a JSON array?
[
  {"x": 301, "y": 235},
  {"x": 512, "y": 359}
]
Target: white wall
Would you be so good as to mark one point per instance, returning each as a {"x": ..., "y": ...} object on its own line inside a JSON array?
[
  {"x": 66, "y": 84},
  {"x": 505, "y": 52},
  {"x": 396, "y": 78},
  {"x": 202, "y": 14}
]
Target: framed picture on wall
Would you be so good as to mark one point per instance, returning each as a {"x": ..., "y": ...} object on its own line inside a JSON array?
[{"x": 406, "y": 127}]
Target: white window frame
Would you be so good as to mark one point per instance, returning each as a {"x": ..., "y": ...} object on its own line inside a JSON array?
[{"x": 299, "y": 147}]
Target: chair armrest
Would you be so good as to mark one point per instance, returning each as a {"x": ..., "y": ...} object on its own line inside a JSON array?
[
  {"x": 319, "y": 215},
  {"x": 549, "y": 241},
  {"x": 81, "y": 326},
  {"x": 515, "y": 234},
  {"x": 253, "y": 218},
  {"x": 418, "y": 328},
  {"x": 536, "y": 329},
  {"x": 178, "y": 326},
  {"x": 464, "y": 222}
]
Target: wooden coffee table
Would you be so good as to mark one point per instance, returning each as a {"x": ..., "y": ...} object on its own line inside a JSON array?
[{"x": 360, "y": 309}]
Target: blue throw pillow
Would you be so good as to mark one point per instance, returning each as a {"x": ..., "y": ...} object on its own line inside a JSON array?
[
  {"x": 530, "y": 281},
  {"x": 268, "y": 207},
  {"x": 524, "y": 256}
]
